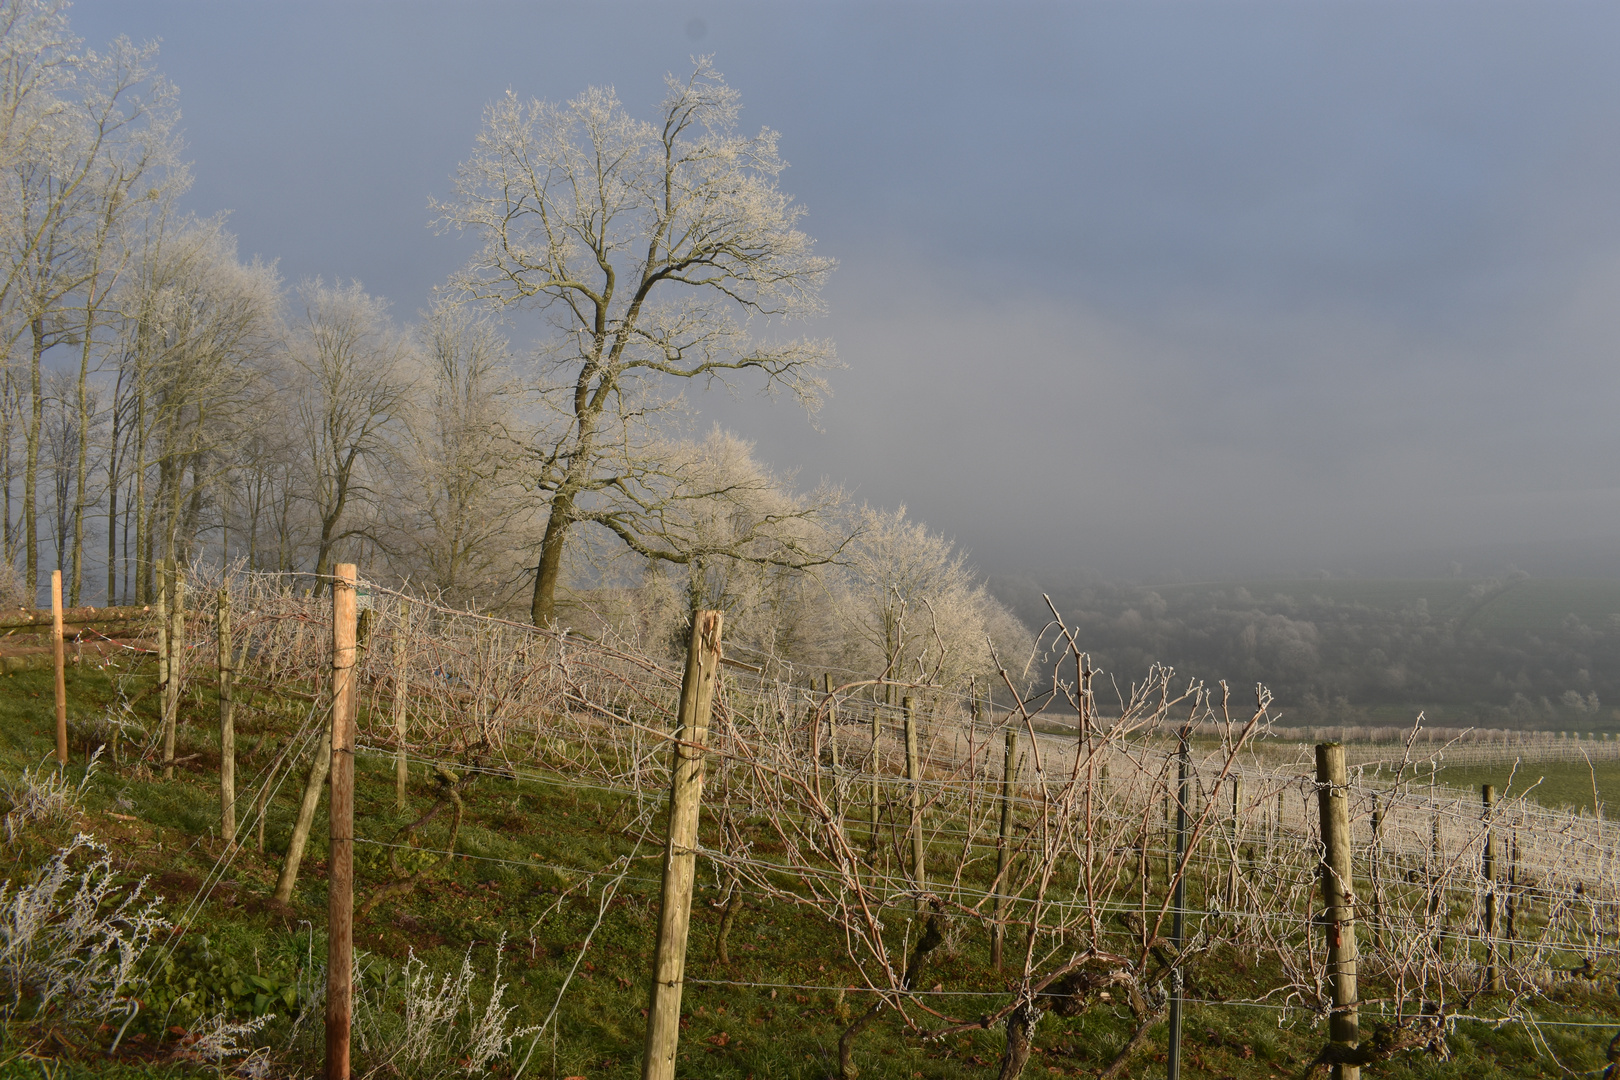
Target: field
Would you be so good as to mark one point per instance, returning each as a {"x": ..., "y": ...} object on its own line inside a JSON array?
[
  {"x": 1555, "y": 785},
  {"x": 529, "y": 869},
  {"x": 1511, "y": 652}
]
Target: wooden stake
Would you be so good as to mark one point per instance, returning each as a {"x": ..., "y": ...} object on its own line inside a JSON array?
[
  {"x": 1338, "y": 899},
  {"x": 227, "y": 723},
  {"x": 402, "y": 768},
  {"x": 877, "y": 733},
  {"x": 1493, "y": 968},
  {"x": 832, "y": 744},
  {"x": 1178, "y": 924},
  {"x": 320, "y": 764},
  {"x": 1375, "y": 854},
  {"x": 163, "y": 646},
  {"x": 1009, "y": 781},
  {"x": 60, "y": 658},
  {"x": 1512, "y": 905},
  {"x": 340, "y": 856},
  {"x": 919, "y": 876},
  {"x": 1236, "y": 839},
  {"x": 177, "y": 639},
  {"x": 680, "y": 854}
]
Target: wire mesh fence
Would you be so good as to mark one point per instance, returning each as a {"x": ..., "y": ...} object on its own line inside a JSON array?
[{"x": 899, "y": 814}]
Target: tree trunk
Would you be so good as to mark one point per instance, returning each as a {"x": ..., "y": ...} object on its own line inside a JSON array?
[
  {"x": 76, "y": 556},
  {"x": 36, "y": 414},
  {"x": 544, "y": 608}
]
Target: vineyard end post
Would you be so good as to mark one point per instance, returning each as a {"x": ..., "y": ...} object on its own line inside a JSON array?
[
  {"x": 1338, "y": 899},
  {"x": 680, "y": 851},
  {"x": 1009, "y": 781},
  {"x": 340, "y": 869},
  {"x": 60, "y": 659},
  {"x": 227, "y": 721}
]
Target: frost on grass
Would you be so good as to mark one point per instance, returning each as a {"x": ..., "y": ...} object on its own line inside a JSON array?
[
  {"x": 216, "y": 1040},
  {"x": 71, "y": 937},
  {"x": 45, "y": 795},
  {"x": 448, "y": 1024}
]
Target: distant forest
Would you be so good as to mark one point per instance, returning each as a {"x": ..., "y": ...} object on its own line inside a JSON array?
[{"x": 1508, "y": 651}]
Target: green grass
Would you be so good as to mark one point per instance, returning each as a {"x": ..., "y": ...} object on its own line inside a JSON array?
[
  {"x": 1558, "y": 785},
  {"x": 503, "y": 883}
]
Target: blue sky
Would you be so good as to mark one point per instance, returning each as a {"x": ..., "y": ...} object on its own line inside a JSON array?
[{"x": 1149, "y": 289}]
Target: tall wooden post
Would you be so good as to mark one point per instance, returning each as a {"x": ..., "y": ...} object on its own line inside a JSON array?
[
  {"x": 227, "y": 722},
  {"x": 1178, "y": 924},
  {"x": 177, "y": 644},
  {"x": 1009, "y": 782},
  {"x": 59, "y": 657},
  {"x": 1338, "y": 898},
  {"x": 680, "y": 853},
  {"x": 402, "y": 768},
  {"x": 877, "y": 795},
  {"x": 163, "y": 646},
  {"x": 919, "y": 876},
  {"x": 1235, "y": 839},
  {"x": 340, "y": 868},
  {"x": 1493, "y": 968},
  {"x": 832, "y": 744},
  {"x": 1437, "y": 909},
  {"x": 1375, "y": 855},
  {"x": 1512, "y": 904}
]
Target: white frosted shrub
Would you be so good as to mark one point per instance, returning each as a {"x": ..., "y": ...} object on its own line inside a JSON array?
[
  {"x": 70, "y": 939},
  {"x": 447, "y": 1027}
]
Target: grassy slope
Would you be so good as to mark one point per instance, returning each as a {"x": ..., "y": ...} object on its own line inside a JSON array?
[{"x": 514, "y": 832}]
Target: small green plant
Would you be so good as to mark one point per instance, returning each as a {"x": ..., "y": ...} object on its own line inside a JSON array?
[{"x": 195, "y": 979}]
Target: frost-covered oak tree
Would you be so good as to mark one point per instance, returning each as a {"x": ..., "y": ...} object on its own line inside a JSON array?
[{"x": 658, "y": 253}]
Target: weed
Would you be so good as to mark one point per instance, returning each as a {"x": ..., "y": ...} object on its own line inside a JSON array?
[
  {"x": 45, "y": 795},
  {"x": 70, "y": 940}
]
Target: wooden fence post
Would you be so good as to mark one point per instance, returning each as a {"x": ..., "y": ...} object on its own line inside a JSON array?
[
  {"x": 1437, "y": 909},
  {"x": 1493, "y": 968},
  {"x": 340, "y": 856},
  {"x": 1512, "y": 904},
  {"x": 163, "y": 640},
  {"x": 919, "y": 876},
  {"x": 877, "y": 733},
  {"x": 1235, "y": 840},
  {"x": 402, "y": 768},
  {"x": 680, "y": 852},
  {"x": 1338, "y": 898},
  {"x": 1375, "y": 855},
  {"x": 832, "y": 745},
  {"x": 227, "y": 722},
  {"x": 1178, "y": 925},
  {"x": 60, "y": 659},
  {"x": 177, "y": 640},
  {"x": 1009, "y": 782}
]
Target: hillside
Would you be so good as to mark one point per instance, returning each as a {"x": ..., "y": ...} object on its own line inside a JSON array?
[{"x": 1511, "y": 651}]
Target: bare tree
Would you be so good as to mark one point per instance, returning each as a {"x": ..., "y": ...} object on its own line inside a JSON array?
[
  {"x": 916, "y": 610},
  {"x": 352, "y": 367},
  {"x": 100, "y": 133},
  {"x": 462, "y": 506},
  {"x": 198, "y": 328},
  {"x": 652, "y": 250}
]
